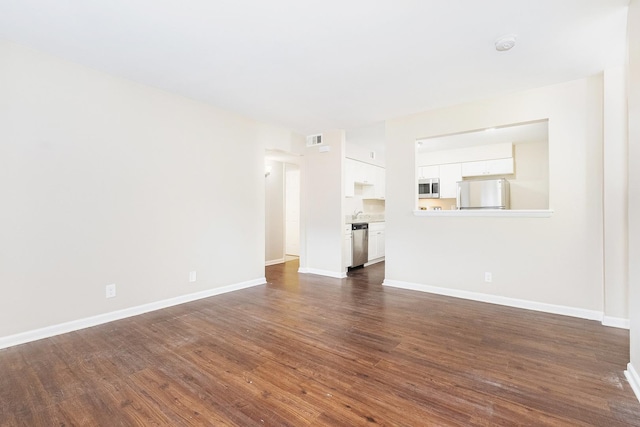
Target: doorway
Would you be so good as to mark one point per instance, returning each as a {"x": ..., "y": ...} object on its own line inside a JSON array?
[
  {"x": 292, "y": 211},
  {"x": 282, "y": 207}
]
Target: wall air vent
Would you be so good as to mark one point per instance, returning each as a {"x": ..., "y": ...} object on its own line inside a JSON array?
[{"x": 313, "y": 140}]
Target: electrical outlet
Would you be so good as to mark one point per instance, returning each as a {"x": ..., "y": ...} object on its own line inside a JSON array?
[
  {"x": 110, "y": 290},
  {"x": 192, "y": 276},
  {"x": 487, "y": 277}
]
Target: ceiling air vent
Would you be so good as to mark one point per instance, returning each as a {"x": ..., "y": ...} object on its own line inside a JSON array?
[{"x": 313, "y": 140}]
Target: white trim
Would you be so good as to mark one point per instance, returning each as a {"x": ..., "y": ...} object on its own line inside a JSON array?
[
  {"x": 374, "y": 261},
  {"x": 516, "y": 213},
  {"x": 616, "y": 322},
  {"x": 274, "y": 262},
  {"x": 634, "y": 379},
  {"x": 334, "y": 274},
  {"x": 500, "y": 300},
  {"x": 74, "y": 325}
]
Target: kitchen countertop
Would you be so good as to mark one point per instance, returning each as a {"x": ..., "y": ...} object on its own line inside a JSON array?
[{"x": 364, "y": 218}]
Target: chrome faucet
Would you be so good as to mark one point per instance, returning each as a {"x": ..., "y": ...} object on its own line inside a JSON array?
[{"x": 356, "y": 212}]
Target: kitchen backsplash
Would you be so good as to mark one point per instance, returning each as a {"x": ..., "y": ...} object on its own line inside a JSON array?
[{"x": 430, "y": 204}]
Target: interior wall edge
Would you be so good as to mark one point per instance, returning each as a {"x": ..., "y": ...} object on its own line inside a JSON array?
[
  {"x": 634, "y": 379},
  {"x": 320, "y": 272},
  {"x": 616, "y": 322},
  {"x": 75, "y": 325}
]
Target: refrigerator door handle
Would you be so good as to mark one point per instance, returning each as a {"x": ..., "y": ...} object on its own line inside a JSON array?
[{"x": 458, "y": 196}]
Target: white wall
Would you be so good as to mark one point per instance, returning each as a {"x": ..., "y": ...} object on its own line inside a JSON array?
[
  {"x": 323, "y": 193},
  {"x": 556, "y": 260},
  {"x": 361, "y": 142},
  {"x": 360, "y": 153},
  {"x": 274, "y": 213},
  {"x": 530, "y": 183},
  {"x": 633, "y": 40},
  {"x": 281, "y": 141},
  {"x": 108, "y": 181}
]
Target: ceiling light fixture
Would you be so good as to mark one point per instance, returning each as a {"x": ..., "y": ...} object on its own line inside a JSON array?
[{"x": 505, "y": 43}]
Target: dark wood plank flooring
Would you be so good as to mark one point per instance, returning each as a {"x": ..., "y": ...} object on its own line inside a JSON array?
[{"x": 306, "y": 350}]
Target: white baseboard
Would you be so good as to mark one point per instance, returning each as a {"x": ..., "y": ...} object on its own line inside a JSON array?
[
  {"x": 634, "y": 379},
  {"x": 274, "y": 262},
  {"x": 374, "y": 261},
  {"x": 616, "y": 322},
  {"x": 500, "y": 300},
  {"x": 328, "y": 273},
  {"x": 88, "y": 322}
]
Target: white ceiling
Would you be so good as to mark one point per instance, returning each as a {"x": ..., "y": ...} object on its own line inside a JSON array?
[{"x": 313, "y": 65}]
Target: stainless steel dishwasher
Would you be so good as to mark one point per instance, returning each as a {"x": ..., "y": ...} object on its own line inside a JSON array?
[{"x": 360, "y": 245}]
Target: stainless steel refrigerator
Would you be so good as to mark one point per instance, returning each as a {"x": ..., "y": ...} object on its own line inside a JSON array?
[{"x": 483, "y": 194}]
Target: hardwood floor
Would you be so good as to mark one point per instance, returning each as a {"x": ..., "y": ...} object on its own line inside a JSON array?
[{"x": 306, "y": 350}]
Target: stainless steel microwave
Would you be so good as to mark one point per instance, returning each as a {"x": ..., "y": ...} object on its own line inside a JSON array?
[{"x": 429, "y": 188}]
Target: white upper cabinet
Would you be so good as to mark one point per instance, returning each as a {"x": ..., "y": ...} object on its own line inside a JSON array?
[
  {"x": 380, "y": 185},
  {"x": 364, "y": 173},
  {"x": 482, "y": 160},
  {"x": 363, "y": 180},
  {"x": 488, "y": 167},
  {"x": 500, "y": 166},
  {"x": 428, "y": 172},
  {"x": 449, "y": 176},
  {"x": 473, "y": 168}
]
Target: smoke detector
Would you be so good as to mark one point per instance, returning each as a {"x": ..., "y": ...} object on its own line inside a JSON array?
[{"x": 505, "y": 43}]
